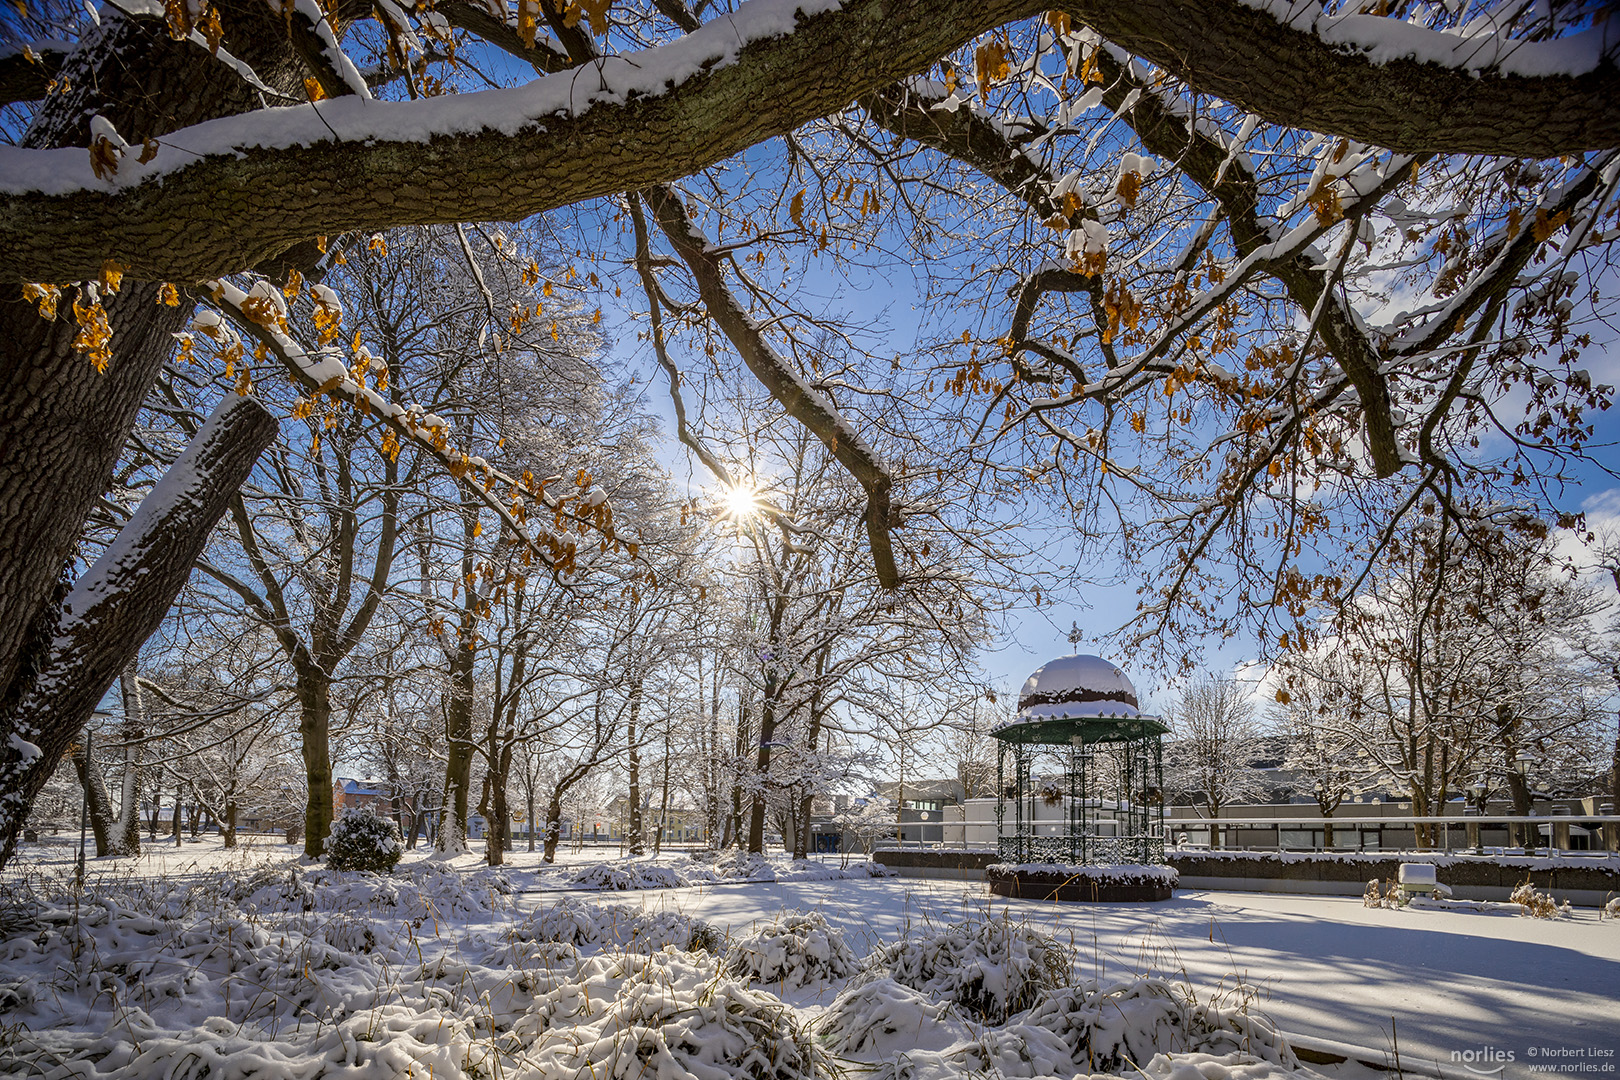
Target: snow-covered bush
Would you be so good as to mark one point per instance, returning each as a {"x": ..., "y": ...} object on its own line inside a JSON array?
[
  {"x": 795, "y": 948},
  {"x": 991, "y": 969},
  {"x": 611, "y": 877},
  {"x": 650, "y": 931},
  {"x": 1109, "y": 1029},
  {"x": 668, "y": 1015},
  {"x": 1393, "y": 897},
  {"x": 362, "y": 840},
  {"x": 743, "y": 866},
  {"x": 570, "y": 921},
  {"x": 884, "y": 1019}
]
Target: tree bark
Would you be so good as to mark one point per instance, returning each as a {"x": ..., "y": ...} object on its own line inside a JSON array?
[
  {"x": 126, "y": 839},
  {"x": 64, "y": 425},
  {"x": 315, "y": 744},
  {"x": 762, "y": 766},
  {"x": 119, "y": 601},
  {"x": 98, "y": 805},
  {"x": 458, "y": 706},
  {"x": 553, "y": 827},
  {"x": 663, "y": 797},
  {"x": 175, "y": 224}
]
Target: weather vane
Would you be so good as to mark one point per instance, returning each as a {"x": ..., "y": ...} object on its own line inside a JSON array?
[{"x": 1075, "y": 635}]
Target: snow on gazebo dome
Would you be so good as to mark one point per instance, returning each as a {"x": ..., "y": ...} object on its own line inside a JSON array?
[{"x": 1076, "y": 688}]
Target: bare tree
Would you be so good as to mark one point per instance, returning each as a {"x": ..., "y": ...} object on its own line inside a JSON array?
[{"x": 1215, "y": 744}]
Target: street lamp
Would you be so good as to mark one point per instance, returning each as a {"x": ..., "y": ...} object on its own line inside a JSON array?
[
  {"x": 1521, "y": 762},
  {"x": 1477, "y": 790}
]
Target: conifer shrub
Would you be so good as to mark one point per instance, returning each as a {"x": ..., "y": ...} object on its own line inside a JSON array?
[{"x": 362, "y": 840}]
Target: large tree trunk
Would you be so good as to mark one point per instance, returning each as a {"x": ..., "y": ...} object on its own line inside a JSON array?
[
  {"x": 458, "y": 708},
  {"x": 315, "y": 738},
  {"x": 663, "y": 798},
  {"x": 762, "y": 767},
  {"x": 528, "y": 820},
  {"x": 126, "y": 833},
  {"x": 62, "y": 424},
  {"x": 553, "y": 827},
  {"x": 121, "y": 599}
]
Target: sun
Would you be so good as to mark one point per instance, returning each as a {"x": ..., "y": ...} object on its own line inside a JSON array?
[{"x": 741, "y": 501}]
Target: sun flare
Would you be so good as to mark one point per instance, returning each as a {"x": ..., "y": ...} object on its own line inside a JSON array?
[{"x": 741, "y": 502}]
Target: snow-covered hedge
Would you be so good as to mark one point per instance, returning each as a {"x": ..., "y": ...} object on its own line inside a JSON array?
[
  {"x": 991, "y": 969},
  {"x": 1122, "y": 874},
  {"x": 1435, "y": 858},
  {"x": 795, "y": 948},
  {"x": 363, "y": 841}
]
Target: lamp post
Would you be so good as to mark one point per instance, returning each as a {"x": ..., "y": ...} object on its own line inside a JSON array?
[
  {"x": 1320, "y": 792},
  {"x": 1521, "y": 762},
  {"x": 1477, "y": 790}
]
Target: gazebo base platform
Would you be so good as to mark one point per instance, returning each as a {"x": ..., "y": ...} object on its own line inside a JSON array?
[{"x": 1080, "y": 884}]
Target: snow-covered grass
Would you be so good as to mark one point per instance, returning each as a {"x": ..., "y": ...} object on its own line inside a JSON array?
[
  {"x": 271, "y": 968},
  {"x": 255, "y": 963},
  {"x": 679, "y": 872}
]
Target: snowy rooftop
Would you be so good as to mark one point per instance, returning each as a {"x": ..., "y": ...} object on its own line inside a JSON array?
[{"x": 1076, "y": 687}]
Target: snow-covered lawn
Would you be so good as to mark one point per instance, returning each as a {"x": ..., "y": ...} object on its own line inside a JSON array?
[{"x": 249, "y": 963}]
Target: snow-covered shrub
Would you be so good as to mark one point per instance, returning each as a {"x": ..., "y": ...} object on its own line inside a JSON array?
[
  {"x": 668, "y": 1015},
  {"x": 1538, "y": 904},
  {"x": 611, "y": 877},
  {"x": 650, "y": 931},
  {"x": 992, "y": 969},
  {"x": 578, "y": 923},
  {"x": 362, "y": 840},
  {"x": 570, "y": 921},
  {"x": 795, "y": 948},
  {"x": 1108, "y": 1029},
  {"x": 884, "y": 1019},
  {"x": 1392, "y": 897},
  {"x": 743, "y": 866}
]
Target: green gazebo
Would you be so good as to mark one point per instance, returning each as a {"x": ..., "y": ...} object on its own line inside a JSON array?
[{"x": 1087, "y": 772}]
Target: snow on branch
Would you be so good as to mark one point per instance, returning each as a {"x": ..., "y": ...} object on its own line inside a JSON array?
[
  {"x": 1380, "y": 80},
  {"x": 254, "y": 313},
  {"x": 27, "y": 70},
  {"x": 630, "y": 121}
]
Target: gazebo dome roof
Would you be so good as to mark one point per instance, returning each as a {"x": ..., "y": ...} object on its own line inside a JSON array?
[{"x": 1074, "y": 688}]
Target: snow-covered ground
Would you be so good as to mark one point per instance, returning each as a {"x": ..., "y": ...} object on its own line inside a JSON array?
[{"x": 471, "y": 966}]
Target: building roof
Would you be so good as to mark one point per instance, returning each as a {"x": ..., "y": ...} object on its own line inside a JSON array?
[{"x": 365, "y": 787}]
